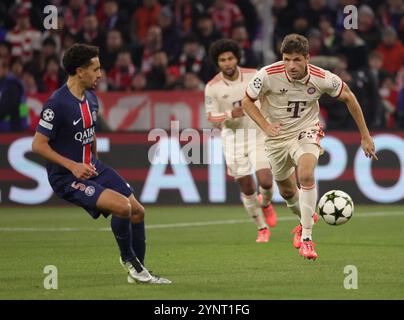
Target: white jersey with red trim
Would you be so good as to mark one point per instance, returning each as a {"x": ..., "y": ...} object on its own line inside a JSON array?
[
  {"x": 292, "y": 102},
  {"x": 222, "y": 95}
]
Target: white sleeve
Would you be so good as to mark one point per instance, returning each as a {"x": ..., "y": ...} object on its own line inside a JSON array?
[
  {"x": 258, "y": 85},
  {"x": 332, "y": 84},
  {"x": 212, "y": 107}
]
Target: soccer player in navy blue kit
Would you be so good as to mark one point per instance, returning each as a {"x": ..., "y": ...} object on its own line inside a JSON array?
[{"x": 65, "y": 137}]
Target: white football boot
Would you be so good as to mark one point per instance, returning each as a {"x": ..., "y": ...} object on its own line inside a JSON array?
[{"x": 141, "y": 275}]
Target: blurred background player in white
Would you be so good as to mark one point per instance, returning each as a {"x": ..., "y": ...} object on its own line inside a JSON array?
[
  {"x": 289, "y": 91},
  {"x": 243, "y": 151}
]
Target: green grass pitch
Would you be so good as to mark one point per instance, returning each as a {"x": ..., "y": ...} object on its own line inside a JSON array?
[{"x": 208, "y": 253}]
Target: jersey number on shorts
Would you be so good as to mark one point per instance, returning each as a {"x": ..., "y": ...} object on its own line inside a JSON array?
[{"x": 295, "y": 108}]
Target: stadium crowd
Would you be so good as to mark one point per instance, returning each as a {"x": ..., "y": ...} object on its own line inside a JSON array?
[{"x": 163, "y": 45}]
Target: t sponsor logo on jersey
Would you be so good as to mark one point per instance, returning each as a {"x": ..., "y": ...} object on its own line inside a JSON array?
[
  {"x": 311, "y": 90},
  {"x": 48, "y": 115}
]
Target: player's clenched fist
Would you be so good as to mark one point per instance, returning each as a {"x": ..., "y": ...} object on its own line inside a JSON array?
[
  {"x": 273, "y": 129},
  {"x": 83, "y": 171}
]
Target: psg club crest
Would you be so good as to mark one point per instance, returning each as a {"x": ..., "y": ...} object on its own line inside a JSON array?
[
  {"x": 311, "y": 90},
  {"x": 89, "y": 191},
  {"x": 94, "y": 115}
]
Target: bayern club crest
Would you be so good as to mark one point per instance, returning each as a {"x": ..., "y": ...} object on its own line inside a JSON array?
[{"x": 311, "y": 90}]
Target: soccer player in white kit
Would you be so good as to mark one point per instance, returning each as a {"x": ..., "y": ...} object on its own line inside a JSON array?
[
  {"x": 243, "y": 141},
  {"x": 289, "y": 91}
]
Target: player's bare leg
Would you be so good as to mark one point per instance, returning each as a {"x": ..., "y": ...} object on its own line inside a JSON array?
[
  {"x": 252, "y": 206},
  {"x": 113, "y": 202},
  {"x": 308, "y": 199},
  {"x": 288, "y": 190},
  {"x": 264, "y": 177}
]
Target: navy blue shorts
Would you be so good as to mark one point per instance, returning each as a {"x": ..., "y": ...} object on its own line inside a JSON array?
[{"x": 85, "y": 193}]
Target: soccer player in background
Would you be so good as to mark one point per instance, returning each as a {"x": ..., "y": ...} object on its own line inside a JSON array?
[
  {"x": 223, "y": 95},
  {"x": 65, "y": 137},
  {"x": 289, "y": 91}
]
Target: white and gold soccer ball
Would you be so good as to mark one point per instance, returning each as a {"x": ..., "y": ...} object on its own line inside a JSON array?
[{"x": 336, "y": 207}]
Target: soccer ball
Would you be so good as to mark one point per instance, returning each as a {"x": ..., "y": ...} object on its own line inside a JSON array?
[{"x": 336, "y": 207}]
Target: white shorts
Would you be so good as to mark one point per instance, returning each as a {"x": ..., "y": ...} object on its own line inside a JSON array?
[
  {"x": 244, "y": 153},
  {"x": 284, "y": 156}
]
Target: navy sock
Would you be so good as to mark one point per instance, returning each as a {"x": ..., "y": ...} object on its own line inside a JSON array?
[
  {"x": 123, "y": 235},
  {"x": 139, "y": 240}
]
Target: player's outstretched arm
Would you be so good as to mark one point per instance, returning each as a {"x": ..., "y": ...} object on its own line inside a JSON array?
[
  {"x": 271, "y": 129},
  {"x": 354, "y": 108},
  {"x": 40, "y": 145}
]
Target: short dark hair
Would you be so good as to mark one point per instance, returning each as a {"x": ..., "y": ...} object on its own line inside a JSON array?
[
  {"x": 78, "y": 55},
  {"x": 295, "y": 43},
  {"x": 221, "y": 46}
]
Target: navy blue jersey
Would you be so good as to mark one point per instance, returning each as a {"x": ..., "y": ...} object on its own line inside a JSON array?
[{"x": 70, "y": 125}]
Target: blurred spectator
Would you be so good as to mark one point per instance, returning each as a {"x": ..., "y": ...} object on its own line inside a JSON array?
[
  {"x": 186, "y": 14},
  {"x": 16, "y": 67},
  {"x": 11, "y": 98},
  {"x": 329, "y": 36},
  {"x": 377, "y": 73},
  {"x": 317, "y": 11},
  {"x": 282, "y": 15},
  {"x": 114, "y": 19},
  {"x": 251, "y": 19},
  {"x": 192, "y": 82},
  {"x": 240, "y": 35},
  {"x": 52, "y": 77},
  {"x": 29, "y": 82},
  {"x": 170, "y": 34},
  {"x": 153, "y": 43},
  {"x": 301, "y": 24},
  {"x": 193, "y": 58},
  {"x": 120, "y": 76},
  {"x": 368, "y": 27},
  {"x": 392, "y": 50},
  {"x": 206, "y": 31},
  {"x": 389, "y": 95},
  {"x": 109, "y": 51},
  {"x": 156, "y": 78},
  {"x": 75, "y": 15},
  {"x": 5, "y": 51},
  {"x": 23, "y": 38},
  {"x": 139, "y": 82},
  {"x": 67, "y": 41},
  {"x": 144, "y": 18},
  {"x": 173, "y": 77},
  {"x": 90, "y": 33},
  {"x": 316, "y": 45},
  {"x": 354, "y": 49},
  {"x": 224, "y": 14}
]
